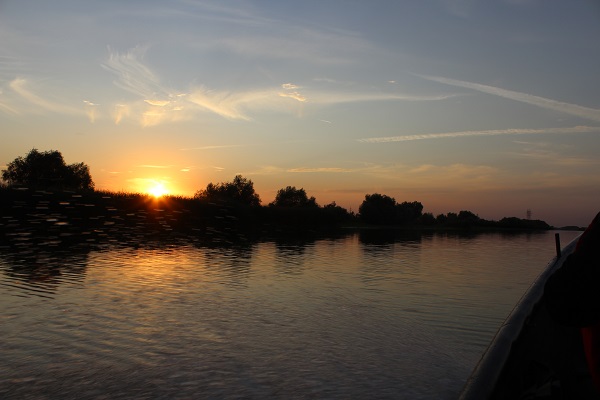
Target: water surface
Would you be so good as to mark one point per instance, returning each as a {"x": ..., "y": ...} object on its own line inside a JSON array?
[{"x": 360, "y": 315}]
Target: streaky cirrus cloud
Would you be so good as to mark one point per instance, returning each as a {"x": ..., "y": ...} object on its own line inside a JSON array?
[
  {"x": 332, "y": 97},
  {"x": 133, "y": 75},
  {"x": 157, "y": 104},
  {"x": 226, "y": 104},
  {"x": 9, "y": 109},
  {"x": 555, "y": 154},
  {"x": 469, "y": 177},
  {"x": 294, "y": 95},
  {"x": 493, "y": 132},
  {"x": 452, "y": 175},
  {"x": 239, "y": 105},
  {"x": 567, "y": 108},
  {"x": 19, "y": 86},
  {"x": 555, "y": 158},
  {"x": 320, "y": 169},
  {"x": 225, "y": 146},
  {"x": 154, "y": 166},
  {"x": 481, "y": 178}
]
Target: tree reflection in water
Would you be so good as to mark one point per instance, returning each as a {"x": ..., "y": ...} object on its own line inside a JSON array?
[{"x": 40, "y": 271}]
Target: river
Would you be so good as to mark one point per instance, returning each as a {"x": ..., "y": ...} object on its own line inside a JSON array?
[{"x": 370, "y": 314}]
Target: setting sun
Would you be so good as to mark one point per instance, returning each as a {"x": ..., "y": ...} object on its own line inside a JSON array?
[{"x": 158, "y": 189}]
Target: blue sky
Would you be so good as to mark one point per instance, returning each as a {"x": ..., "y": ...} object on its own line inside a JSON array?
[{"x": 493, "y": 107}]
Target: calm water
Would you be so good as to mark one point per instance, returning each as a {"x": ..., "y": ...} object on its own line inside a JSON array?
[{"x": 369, "y": 315}]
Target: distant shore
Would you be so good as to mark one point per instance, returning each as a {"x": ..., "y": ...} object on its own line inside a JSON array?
[{"x": 62, "y": 218}]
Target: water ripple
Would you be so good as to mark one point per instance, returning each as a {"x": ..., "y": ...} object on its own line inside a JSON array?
[{"x": 351, "y": 317}]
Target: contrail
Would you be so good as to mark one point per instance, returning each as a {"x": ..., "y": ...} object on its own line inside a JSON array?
[
  {"x": 572, "y": 109},
  {"x": 576, "y": 129}
]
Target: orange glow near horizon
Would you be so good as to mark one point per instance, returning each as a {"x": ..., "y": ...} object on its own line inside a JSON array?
[{"x": 157, "y": 189}]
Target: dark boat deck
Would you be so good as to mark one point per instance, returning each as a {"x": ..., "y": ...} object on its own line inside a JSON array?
[{"x": 531, "y": 356}]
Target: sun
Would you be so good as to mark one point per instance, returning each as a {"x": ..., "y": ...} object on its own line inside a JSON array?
[{"x": 158, "y": 189}]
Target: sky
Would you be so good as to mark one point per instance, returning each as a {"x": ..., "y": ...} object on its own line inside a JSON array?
[{"x": 486, "y": 106}]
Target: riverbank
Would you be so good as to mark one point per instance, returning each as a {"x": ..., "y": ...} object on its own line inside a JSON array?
[{"x": 66, "y": 218}]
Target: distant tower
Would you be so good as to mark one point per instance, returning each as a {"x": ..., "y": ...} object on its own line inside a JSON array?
[{"x": 528, "y": 213}]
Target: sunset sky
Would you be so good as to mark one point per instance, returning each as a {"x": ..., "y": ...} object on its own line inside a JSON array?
[{"x": 487, "y": 106}]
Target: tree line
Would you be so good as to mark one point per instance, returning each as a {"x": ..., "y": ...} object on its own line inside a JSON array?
[
  {"x": 47, "y": 170},
  {"x": 292, "y": 206}
]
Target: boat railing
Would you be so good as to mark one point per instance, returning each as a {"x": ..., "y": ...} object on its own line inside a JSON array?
[{"x": 486, "y": 374}]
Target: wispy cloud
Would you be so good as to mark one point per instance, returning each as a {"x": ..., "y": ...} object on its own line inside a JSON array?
[
  {"x": 91, "y": 110},
  {"x": 266, "y": 170},
  {"x": 20, "y": 87},
  {"x": 425, "y": 136},
  {"x": 275, "y": 170},
  {"x": 481, "y": 178},
  {"x": 572, "y": 109},
  {"x": 154, "y": 166},
  {"x": 552, "y": 157},
  {"x": 292, "y": 92},
  {"x": 313, "y": 170},
  {"x": 226, "y": 104},
  {"x": 458, "y": 169},
  {"x": 133, "y": 75},
  {"x": 427, "y": 176},
  {"x": 332, "y": 97},
  {"x": 157, "y": 104},
  {"x": 555, "y": 154},
  {"x": 319, "y": 96},
  {"x": 272, "y": 169},
  {"x": 542, "y": 172},
  {"x": 120, "y": 111},
  {"x": 290, "y": 86},
  {"x": 8, "y": 109},
  {"x": 225, "y": 146},
  {"x": 240, "y": 105}
]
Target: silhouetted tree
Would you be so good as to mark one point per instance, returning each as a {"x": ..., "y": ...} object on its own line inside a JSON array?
[
  {"x": 240, "y": 190},
  {"x": 79, "y": 177},
  {"x": 408, "y": 212},
  {"x": 427, "y": 219},
  {"x": 47, "y": 170},
  {"x": 335, "y": 214},
  {"x": 378, "y": 209},
  {"x": 292, "y": 197},
  {"x": 467, "y": 219},
  {"x": 465, "y": 215}
]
